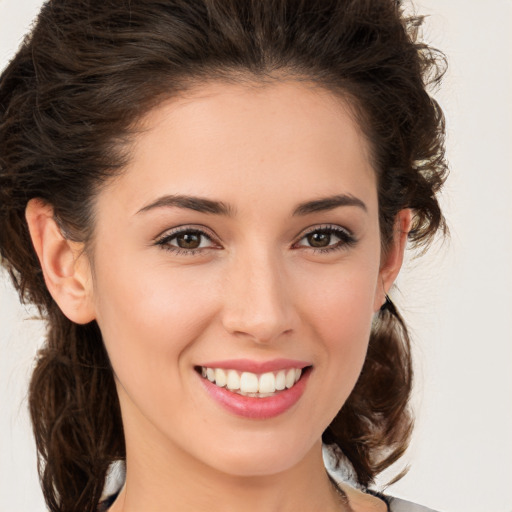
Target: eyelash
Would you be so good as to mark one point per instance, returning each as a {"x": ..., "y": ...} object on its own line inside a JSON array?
[
  {"x": 346, "y": 240},
  {"x": 165, "y": 241}
]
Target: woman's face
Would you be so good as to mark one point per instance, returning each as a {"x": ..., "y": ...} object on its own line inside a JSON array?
[{"x": 242, "y": 242}]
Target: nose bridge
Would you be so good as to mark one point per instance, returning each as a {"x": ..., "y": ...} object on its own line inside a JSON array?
[{"x": 257, "y": 303}]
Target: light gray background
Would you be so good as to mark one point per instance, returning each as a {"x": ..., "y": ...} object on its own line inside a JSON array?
[{"x": 458, "y": 299}]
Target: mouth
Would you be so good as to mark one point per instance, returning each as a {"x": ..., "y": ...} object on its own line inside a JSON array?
[{"x": 254, "y": 385}]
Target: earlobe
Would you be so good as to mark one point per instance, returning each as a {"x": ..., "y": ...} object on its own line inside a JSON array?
[
  {"x": 65, "y": 267},
  {"x": 394, "y": 256}
]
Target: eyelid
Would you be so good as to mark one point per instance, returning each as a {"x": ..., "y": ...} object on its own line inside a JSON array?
[
  {"x": 324, "y": 227},
  {"x": 183, "y": 228},
  {"x": 166, "y": 235},
  {"x": 347, "y": 236}
]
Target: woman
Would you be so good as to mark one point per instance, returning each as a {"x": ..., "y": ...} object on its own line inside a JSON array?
[{"x": 209, "y": 202}]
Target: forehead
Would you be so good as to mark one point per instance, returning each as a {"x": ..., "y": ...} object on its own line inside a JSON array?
[{"x": 248, "y": 141}]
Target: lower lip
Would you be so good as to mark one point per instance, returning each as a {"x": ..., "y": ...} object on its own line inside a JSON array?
[{"x": 257, "y": 408}]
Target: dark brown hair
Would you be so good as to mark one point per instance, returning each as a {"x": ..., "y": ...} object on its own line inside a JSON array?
[{"x": 69, "y": 102}]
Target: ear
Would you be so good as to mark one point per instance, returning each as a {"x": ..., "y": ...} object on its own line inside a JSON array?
[
  {"x": 393, "y": 257},
  {"x": 65, "y": 266}
]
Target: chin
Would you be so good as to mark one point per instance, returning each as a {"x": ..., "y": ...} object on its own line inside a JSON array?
[{"x": 259, "y": 459}]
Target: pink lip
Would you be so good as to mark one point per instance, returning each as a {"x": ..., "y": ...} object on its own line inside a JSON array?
[
  {"x": 248, "y": 365},
  {"x": 256, "y": 408}
]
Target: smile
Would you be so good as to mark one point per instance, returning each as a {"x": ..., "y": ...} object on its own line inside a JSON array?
[
  {"x": 257, "y": 390},
  {"x": 250, "y": 384}
]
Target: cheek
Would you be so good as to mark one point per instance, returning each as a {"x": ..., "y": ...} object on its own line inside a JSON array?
[
  {"x": 344, "y": 325},
  {"x": 149, "y": 320},
  {"x": 340, "y": 301},
  {"x": 338, "y": 306},
  {"x": 149, "y": 324}
]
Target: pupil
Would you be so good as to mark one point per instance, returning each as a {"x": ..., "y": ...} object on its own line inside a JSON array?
[
  {"x": 189, "y": 241},
  {"x": 319, "y": 239}
]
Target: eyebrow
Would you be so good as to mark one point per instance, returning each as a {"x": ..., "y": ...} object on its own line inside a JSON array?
[
  {"x": 204, "y": 205},
  {"x": 329, "y": 203},
  {"x": 198, "y": 204}
]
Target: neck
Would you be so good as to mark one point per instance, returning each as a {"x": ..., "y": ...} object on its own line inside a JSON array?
[{"x": 174, "y": 482}]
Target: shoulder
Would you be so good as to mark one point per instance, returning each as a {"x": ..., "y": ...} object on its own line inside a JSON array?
[
  {"x": 399, "y": 505},
  {"x": 372, "y": 501}
]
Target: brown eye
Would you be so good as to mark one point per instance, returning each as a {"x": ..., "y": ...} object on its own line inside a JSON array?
[
  {"x": 326, "y": 239},
  {"x": 319, "y": 239},
  {"x": 188, "y": 240}
]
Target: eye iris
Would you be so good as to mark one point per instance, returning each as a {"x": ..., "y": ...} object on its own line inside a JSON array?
[
  {"x": 319, "y": 239},
  {"x": 188, "y": 240}
]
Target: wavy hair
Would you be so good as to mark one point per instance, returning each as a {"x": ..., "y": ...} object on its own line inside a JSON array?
[{"x": 69, "y": 104}]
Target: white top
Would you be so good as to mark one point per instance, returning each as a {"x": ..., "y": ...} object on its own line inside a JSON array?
[
  {"x": 398, "y": 505},
  {"x": 342, "y": 474},
  {"x": 341, "y": 471}
]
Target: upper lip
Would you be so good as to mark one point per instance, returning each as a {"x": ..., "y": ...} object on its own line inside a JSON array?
[{"x": 248, "y": 365}]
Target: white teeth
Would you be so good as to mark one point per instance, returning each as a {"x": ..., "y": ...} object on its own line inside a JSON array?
[
  {"x": 233, "y": 380},
  {"x": 267, "y": 383},
  {"x": 290, "y": 378},
  {"x": 280, "y": 380},
  {"x": 250, "y": 384},
  {"x": 220, "y": 377}
]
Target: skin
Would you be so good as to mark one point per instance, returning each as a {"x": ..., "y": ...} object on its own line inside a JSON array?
[{"x": 254, "y": 289}]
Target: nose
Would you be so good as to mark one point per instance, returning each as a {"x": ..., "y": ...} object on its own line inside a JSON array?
[{"x": 257, "y": 299}]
